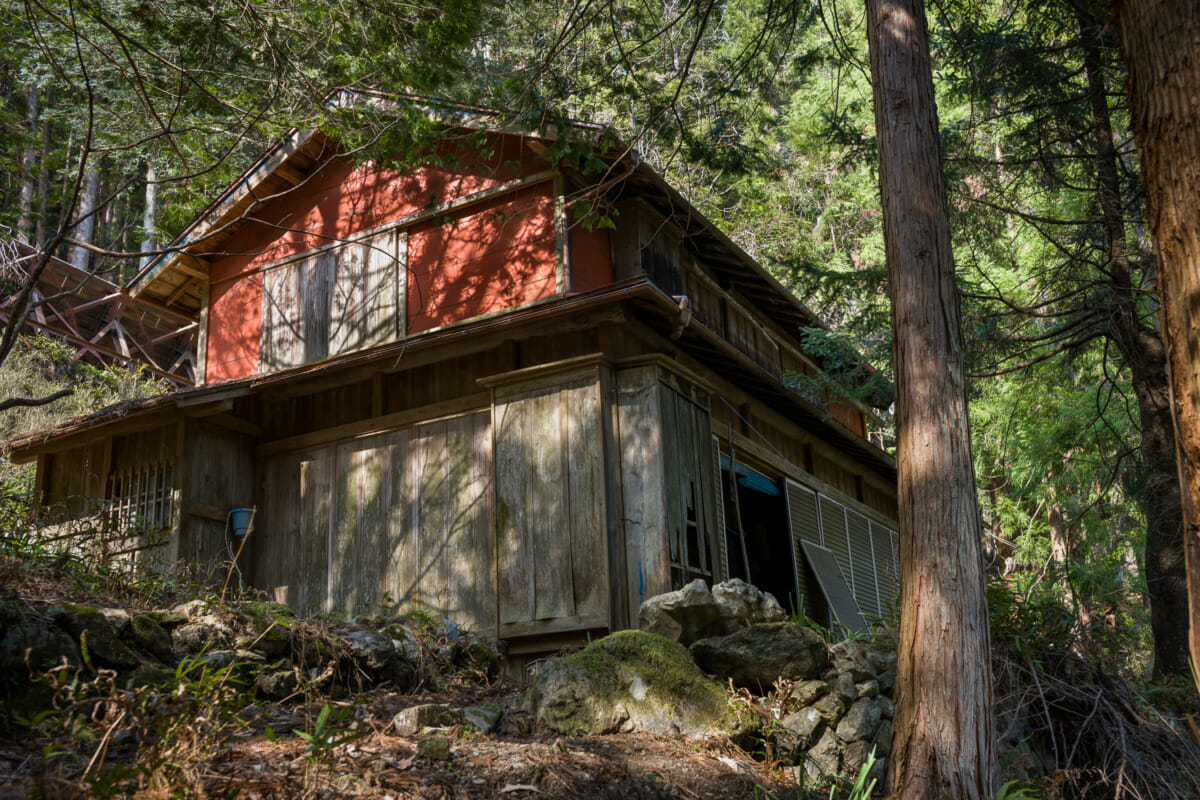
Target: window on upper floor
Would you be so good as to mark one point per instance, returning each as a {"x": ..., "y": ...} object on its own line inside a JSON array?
[{"x": 337, "y": 300}]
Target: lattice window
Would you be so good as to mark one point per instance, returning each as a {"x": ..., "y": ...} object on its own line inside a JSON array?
[{"x": 140, "y": 498}]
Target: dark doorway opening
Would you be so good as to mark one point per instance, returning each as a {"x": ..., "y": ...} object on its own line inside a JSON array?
[{"x": 764, "y": 529}]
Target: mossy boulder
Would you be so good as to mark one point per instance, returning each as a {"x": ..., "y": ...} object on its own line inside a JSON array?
[
  {"x": 151, "y": 675},
  {"x": 267, "y": 628},
  {"x": 35, "y": 644},
  {"x": 629, "y": 681},
  {"x": 166, "y": 619},
  {"x": 152, "y": 637},
  {"x": 91, "y": 627}
]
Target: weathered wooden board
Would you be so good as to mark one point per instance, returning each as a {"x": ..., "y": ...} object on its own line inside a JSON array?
[
  {"x": 396, "y": 519},
  {"x": 334, "y": 301},
  {"x": 642, "y": 484},
  {"x": 552, "y": 541}
]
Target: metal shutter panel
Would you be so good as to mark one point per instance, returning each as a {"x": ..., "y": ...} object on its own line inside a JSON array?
[
  {"x": 805, "y": 524},
  {"x": 834, "y": 535},
  {"x": 861, "y": 556}
]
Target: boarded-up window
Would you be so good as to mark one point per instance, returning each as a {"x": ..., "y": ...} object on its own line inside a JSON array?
[{"x": 336, "y": 301}]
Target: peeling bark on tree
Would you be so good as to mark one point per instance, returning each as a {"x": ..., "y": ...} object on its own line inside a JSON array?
[
  {"x": 944, "y": 725},
  {"x": 1161, "y": 42}
]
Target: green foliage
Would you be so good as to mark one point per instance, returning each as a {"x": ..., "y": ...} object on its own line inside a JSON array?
[{"x": 326, "y": 735}]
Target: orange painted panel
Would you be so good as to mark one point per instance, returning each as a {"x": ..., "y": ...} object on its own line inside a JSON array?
[
  {"x": 494, "y": 256},
  {"x": 849, "y": 416},
  {"x": 234, "y": 322},
  {"x": 341, "y": 199},
  {"x": 591, "y": 259}
]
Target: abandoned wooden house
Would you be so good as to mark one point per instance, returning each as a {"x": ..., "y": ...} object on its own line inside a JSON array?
[{"x": 439, "y": 386}]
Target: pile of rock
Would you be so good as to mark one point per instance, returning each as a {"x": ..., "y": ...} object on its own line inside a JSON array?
[
  {"x": 266, "y": 644},
  {"x": 828, "y": 706},
  {"x": 829, "y": 725}
]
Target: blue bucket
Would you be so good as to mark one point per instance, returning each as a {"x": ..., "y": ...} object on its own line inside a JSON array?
[{"x": 239, "y": 520}]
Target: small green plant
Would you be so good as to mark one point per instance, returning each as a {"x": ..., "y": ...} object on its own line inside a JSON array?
[
  {"x": 1011, "y": 791},
  {"x": 325, "y": 736}
]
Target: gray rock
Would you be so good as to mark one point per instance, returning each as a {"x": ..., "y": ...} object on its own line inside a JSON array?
[
  {"x": 746, "y": 604},
  {"x": 883, "y": 739},
  {"x": 415, "y": 719},
  {"x": 195, "y": 637},
  {"x": 628, "y": 681},
  {"x": 879, "y": 772},
  {"x": 683, "y": 616},
  {"x": 805, "y": 693},
  {"x": 867, "y": 689},
  {"x": 371, "y": 651},
  {"x": 434, "y": 747},
  {"x": 860, "y": 722},
  {"x": 451, "y": 628},
  {"x": 193, "y": 609},
  {"x": 851, "y": 656},
  {"x": 830, "y": 707},
  {"x": 485, "y": 718},
  {"x": 119, "y": 619},
  {"x": 757, "y": 656},
  {"x": 152, "y": 637},
  {"x": 824, "y": 757},
  {"x": 151, "y": 675},
  {"x": 88, "y": 625},
  {"x": 405, "y": 642},
  {"x": 854, "y": 755},
  {"x": 277, "y": 685},
  {"x": 881, "y": 658},
  {"x": 798, "y": 731},
  {"x": 887, "y": 680},
  {"x": 886, "y": 706},
  {"x": 36, "y": 644},
  {"x": 843, "y": 684}
]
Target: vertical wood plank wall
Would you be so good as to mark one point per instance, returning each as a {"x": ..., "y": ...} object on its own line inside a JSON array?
[
  {"x": 551, "y": 505},
  {"x": 396, "y": 519},
  {"x": 689, "y": 477},
  {"x": 643, "y": 484},
  {"x": 217, "y": 475}
]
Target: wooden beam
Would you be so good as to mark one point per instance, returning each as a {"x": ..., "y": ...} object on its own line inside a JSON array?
[{"x": 369, "y": 427}]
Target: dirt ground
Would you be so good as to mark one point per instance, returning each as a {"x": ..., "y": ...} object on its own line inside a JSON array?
[{"x": 376, "y": 763}]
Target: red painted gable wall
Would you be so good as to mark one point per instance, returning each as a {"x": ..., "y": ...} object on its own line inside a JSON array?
[
  {"x": 496, "y": 255},
  {"x": 343, "y": 199}
]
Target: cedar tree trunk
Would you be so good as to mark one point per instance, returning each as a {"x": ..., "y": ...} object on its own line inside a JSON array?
[
  {"x": 1142, "y": 348},
  {"x": 944, "y": 727},
  {"x": 1161, "y": 41}
]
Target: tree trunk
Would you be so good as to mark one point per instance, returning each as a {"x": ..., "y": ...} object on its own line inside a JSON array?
[
  {"x": 43, "y": 179},
  {"x": 1141, "y": 346},
  {"x": 944, "y": 725},
  {"x": 84, "y": 230},
  {"x": 28, "y": 158},
  {"x": 149, "y": 213},
  {"x": 1161, "y": 41}
]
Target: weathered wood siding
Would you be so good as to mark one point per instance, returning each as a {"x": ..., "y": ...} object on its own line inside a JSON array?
[
  {"x": 691, "y": 485},
  {"x": 643, "y": 484},
  {"x": 401, "y": 518},
  {"x": 551, "y": 505},
  {"x": 216, "y": 475}
]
